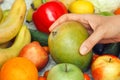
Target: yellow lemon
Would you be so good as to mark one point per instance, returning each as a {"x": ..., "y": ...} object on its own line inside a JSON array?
[{"x": 81, "y": 7}]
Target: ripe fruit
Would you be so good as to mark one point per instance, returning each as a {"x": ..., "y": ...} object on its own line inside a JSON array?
[
  {"x": 65, "y": 71},
  {"x": 48, "y": 13},
  {"x": 81, "y": 7},
  {"x": 36, "y": 53},
  {"x": 86, "y": 76},
  {"x": 42, "y": 78},
  {"x": 46, "y": 73},
  {"x": 64, "y": 43},
  {"x": 106, "y": 67},
  {"x": 117, "y": 11},
  {"x": 18, "y": 68}
]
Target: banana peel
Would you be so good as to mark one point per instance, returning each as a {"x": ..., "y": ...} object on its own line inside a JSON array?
[
  {"x": 1, "y": 13},
  {"x": 13, "y": 22},
  {"x": 5, "y": 14},
  {"x": 23, "y": 38}
]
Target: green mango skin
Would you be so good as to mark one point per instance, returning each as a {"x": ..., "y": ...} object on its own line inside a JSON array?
[
  {"x": 64, "y": 43},
  {"x": 65, "y": 71}
]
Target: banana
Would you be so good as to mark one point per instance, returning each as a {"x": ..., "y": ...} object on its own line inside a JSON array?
[
  {"x": 5, "y": 45},
  {"x": 5, "y": 14},
  {"x": 23, "y": 38},
  {"x": 1, "y": 13},
  {"x": 34, "y": 5},
  {"x": 10, "y": 27},
  {"x": 29, "y": 15}
]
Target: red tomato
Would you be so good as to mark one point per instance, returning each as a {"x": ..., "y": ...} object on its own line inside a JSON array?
[
  {"x": 42, "y": 78},
  {"x": 86, "y": 76},
  {"x": 46, "y": 73},
  {"x": 36, "y": 53},
  {"x": 48, "y": 13},
  {"x": 117, "y": 12}
]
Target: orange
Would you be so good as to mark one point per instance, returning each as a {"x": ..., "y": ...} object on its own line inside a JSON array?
[{"x": 18, "y": 68}]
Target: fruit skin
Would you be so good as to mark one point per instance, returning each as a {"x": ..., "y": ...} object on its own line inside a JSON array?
[
  {"x": 42, "y": 78},
  {"x": 81, "y": 7},
  {"x": 1, "y": 13},
  {"x": 23, "y": 38},
  {"x": 86, "y": 76},
  {"x": 39, "y": 36},
  {"x": 36, "y": 53},
  {"x": 34, "y": 5},
  {"x": 64, "y": 43},
  {"x": 18, "y": 68},
  {"x": 117, "y": 11},
  {"x": 5, "y": 14},
  {"x": 11, "y": 26},
  {"x": 106, "y": 67},
  {"x": 48, "y": 13},
  {"x": 65, "y": 2},
  {"x": 65, "y": 71}
]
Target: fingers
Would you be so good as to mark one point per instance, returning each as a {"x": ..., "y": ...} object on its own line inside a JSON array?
[
  {"x": 68, "y": 17},
  {"x": 88, "y": 44}
]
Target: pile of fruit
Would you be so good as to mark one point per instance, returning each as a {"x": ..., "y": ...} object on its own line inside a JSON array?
[{"x": 26, "y": 54}]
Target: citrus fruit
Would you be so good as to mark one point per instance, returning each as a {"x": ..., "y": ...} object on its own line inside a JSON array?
[
  {"x": 18, "y": 68},
  {"x": 81, "y": 7},
  {"x": 64, "y": 43}
]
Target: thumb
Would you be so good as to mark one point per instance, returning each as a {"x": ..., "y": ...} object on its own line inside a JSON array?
[{"x": 89, "y": 43}]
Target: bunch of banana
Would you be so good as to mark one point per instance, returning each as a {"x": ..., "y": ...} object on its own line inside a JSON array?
[
  {"x": 23, "y": 38},
  {"x": 1, "y": 13},
  {"x": 5, "y": 14},
  {"x": 34, "y": 5},
  {"x": 13, "y": 22}
]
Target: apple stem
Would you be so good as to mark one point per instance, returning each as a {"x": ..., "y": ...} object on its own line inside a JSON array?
[
  {"x": 54, "y": 33},
  {"x": 65, "y": 67},
  {"x": 110, "y": 60}
]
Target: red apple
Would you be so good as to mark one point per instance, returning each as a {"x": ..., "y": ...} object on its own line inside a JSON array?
[
  {"x": 106, "y": 67},
  {"x": 36, "y": 53}
]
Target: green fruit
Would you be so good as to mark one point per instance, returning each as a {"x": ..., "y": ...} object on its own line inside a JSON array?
[
  {"x": 65, "y": 71},
  {"x": 64, "y": 43},
  {"x": 106, "y": 13}
]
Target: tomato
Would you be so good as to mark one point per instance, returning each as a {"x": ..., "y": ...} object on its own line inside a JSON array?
[
  {"x": 117, "y": 12},
  {"x": 46, "y": 73},
  {"x": 48, "y": 13},
  {"x": 42, "y": 78},
  {"x": 86, "y": 76}
]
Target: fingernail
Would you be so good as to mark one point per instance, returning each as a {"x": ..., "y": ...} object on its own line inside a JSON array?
[{"x": 83, "y": 50}]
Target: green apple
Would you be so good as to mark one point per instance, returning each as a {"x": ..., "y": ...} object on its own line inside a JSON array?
[
  {"x": 106, "y": 67},
  {"x": 64, "y": 43},
  {"x": 65, "y": 71}
]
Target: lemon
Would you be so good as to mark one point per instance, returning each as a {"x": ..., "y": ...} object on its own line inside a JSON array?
[{"x": 81, "y": 7}]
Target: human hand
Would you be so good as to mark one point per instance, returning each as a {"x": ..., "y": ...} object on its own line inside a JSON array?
[{"x": 102, "y": 29}]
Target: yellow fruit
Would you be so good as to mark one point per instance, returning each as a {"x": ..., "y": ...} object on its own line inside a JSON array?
[
  {"x": 81, "y": 7},
  {"x": 18, "y": 68}
]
